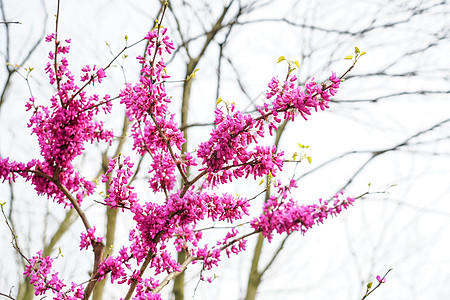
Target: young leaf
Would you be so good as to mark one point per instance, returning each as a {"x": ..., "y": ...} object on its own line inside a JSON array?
[
  {"x": 218, "y": 100},
  {"x": 281, "y": 58},
  {"x": 297, "y": 63},
  {"x": 357, "y": 50},
  {"x": 309, "y": 158},
  {"x": 192, "y": 75},
  {"x": 349, "y": 57}
]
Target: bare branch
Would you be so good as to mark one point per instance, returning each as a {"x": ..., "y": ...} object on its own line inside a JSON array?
[{"x": 393, "y": 95}]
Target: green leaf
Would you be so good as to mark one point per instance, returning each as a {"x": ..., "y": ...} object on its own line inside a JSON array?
[
  {"x": 261, "y": 182},
  {"x": 349, "y": 57},
  {"x": 297, "y": 64},
  {"x": 309, "y": 158},
  {"x": 126, "y": 37},
  {"x": 1, "y": 204},
  {"x": 369, "y": 285},
  {"x": 281, "y": 58},
  {"x": 192, "y": 75},
  {"x": 218, "y": 100},
  {"x": 362, "y": 53},
  {"x": 301, "y": 146},
  {"x": 357, "y": 50}
]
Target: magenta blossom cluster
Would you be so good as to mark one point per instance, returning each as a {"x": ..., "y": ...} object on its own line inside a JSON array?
[
  {"x": 155, "y": 132},
  {"x": 178, "y": 216},
  {"x": 284, "y": 215},
  {"x": 115, "y": 266},
  {"x": 227, "y": 154},
  {"x": 88, "y": 238},
  {"x": 290, "y": 99},
  {"x": 120, "y": 193},
  {"x": 42, "y": 277},
  {"x": 62, "y": 129},
  {"x": 144, "y": 290},
  {"x": 183, "y": 198}
]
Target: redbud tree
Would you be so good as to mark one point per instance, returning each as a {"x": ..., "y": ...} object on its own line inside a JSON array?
[{"x": 185, "y": 188}]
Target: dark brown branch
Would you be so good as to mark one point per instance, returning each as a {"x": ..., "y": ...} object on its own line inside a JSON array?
[
  {"x": 7, "y": 296},
  {"x": 55, "y": 63},
  {"x": 144, "y": 266},
  {"x": 14, "y": 241},
  {"x": 105, "y": 68},
  {"x": 393, "y": 95},
  {"x": 175, "y": 274},
  {"x": 182, "y": 128},
  {"x": 10, "y": 22}
]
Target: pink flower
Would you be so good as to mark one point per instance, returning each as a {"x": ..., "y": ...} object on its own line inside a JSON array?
[
  {"x": 41, "y": 276},
  {"x": 87, "y": 238},
  {"x": 50, "y": 37}
]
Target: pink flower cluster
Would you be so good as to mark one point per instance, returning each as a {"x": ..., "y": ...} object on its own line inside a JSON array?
[
  {"x": 286, "y": 216},
  {"x": 114, "y": 266},
  {"x": 232, "y": 151},
  {"x": 144, "y": 290},
  {"x": 62, "y": 129},
  {"x": 227, "y": 156},
  {"x": 39, "y": 270},
  {"x": 231, "y": 246},
  {"x": 120, "y": 193},
  {"x": 167, "y": 220},
  {"x": 155, "y": 131},
  {"x": 289, "y": 99},
  {"x": 87, "y": 238},
  {"x": 9, "y": 170}
]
